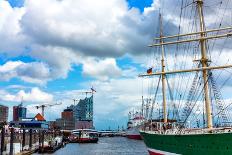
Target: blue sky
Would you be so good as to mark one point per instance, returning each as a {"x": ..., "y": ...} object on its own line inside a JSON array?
[
  {"x": 16, "y": 3},
  {"x": 141, "y": 4}
]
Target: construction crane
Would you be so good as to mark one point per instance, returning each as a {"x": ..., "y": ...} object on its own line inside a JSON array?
[
  {"x": 92, "y": 91},
  {"x": 43, "y": 106},
  {"x": 89, "y": 92}
]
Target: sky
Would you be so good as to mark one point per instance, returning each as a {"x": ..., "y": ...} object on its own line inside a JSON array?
[{"x": 52, "y": 50}]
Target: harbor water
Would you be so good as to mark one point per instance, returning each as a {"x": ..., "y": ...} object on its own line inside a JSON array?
[{"x": 105, "y": 146}]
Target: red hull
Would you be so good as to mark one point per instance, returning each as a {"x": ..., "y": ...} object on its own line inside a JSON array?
[
  {"x": 159, "y": 152},
  {"x": 154, "y": 153},
  {"x": 137, "y": 137},
  {"x": 87, "y": 140}
]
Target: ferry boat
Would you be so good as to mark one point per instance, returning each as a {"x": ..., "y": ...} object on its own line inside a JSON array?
[
  {"x": 84, "y": 136},
  {"x": 195, "y": 123}
]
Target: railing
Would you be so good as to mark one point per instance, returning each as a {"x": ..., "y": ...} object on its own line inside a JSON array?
[{"x": 176, "y": 128}]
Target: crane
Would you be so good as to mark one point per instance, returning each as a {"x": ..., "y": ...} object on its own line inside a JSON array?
[
  {"x": 43, "y": 106},
  {"x": 91, "y": 91}
]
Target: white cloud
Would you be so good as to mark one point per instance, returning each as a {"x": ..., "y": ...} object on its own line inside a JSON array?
[
  {"x": 66, "y": 31},
  {"x": 59, "y": 59},
  {"x": 35, "y": 95},
  {"x": 101, "y": 69},
  {"x": 12, "y": 40},
  {"x": 112, "y": 101},
  {"x": 34, "y": 72}
]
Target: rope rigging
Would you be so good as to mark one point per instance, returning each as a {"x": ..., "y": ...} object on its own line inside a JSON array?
[{"x": 154, "y": 100}]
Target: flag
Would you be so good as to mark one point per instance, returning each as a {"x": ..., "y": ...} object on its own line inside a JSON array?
[{"x": 149, "y": 71}]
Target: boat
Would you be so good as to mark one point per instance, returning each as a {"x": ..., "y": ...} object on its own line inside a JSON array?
[
  {"x": 84, "y": 136},
  {"x": 200, "y": 124},
  {"x": 134, "y": 123}
]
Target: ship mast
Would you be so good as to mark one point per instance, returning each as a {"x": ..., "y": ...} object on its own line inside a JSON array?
[
  {"x": 204, "y": 62},
  {"x": 163, "y": 70},
  {"x": 200, "y": 37}
]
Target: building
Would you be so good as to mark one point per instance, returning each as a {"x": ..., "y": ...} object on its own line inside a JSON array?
[
  {"x": 67, "y": 121},
  {"x": 78, "y": 116},
  {"x": 64, "y": 124},
  {"x": 83, "y": 124},
  {"x": 4, "y": 113},
  {"x": 37, "y": 122},
  {"x": 67, "y": 114},
  {"x": 39, "y": 117},
  {"x": 83, "y": 111},
  {"x": 19, "y": 112}
]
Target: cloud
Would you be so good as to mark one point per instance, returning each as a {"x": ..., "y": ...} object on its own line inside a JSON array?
[
  {"x": 35, "y": 95},
  {"x": 58, "y": 59},
  {"x": 33, "y": 72},
  {"x": 13, "y": 41},
  {"x": 112, "y": 101},
  {"x": 101, "y": 69},
  {"x": 68, "y": 32},
  {"x": 90, "y": 27}
]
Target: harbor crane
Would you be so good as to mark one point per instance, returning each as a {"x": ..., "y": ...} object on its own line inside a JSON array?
[{"x": 43, "y": 106}]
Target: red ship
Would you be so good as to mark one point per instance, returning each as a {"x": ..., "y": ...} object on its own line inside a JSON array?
[{"x": 133, "y": 126}]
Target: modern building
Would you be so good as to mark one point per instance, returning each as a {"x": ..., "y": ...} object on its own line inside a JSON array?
[
  {"x": 19, "y": 112},
  {"x": 4, "y": 110},
  {"x": 78, "y": 116},
  {"x": 83, "y": 111}
]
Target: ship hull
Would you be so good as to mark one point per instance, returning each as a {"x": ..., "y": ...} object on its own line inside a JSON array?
[
  {"x": 133, "y": 133},
  {"x": 194, "y": 144},
  {"x": 87, "y": 140},
  {"x": 136, "y": 137}
]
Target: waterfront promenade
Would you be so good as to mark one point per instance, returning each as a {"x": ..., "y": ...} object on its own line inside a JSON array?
[{"x": 105, "y": 146}]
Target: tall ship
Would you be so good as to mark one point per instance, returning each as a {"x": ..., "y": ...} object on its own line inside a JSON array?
[{"x": 192, "y": 115}]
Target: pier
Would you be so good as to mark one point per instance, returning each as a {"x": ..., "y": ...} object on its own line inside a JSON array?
[{"x": 30, "y": 141}]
